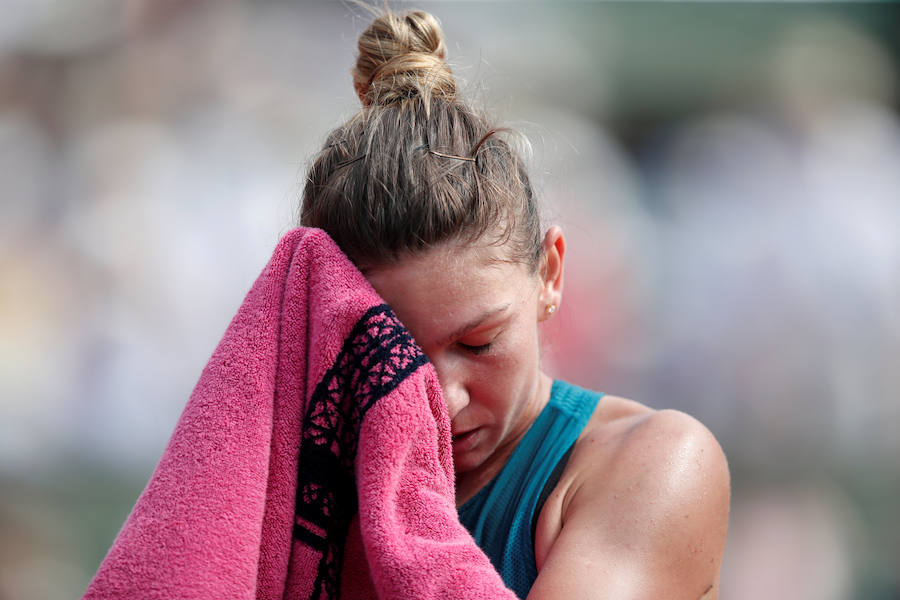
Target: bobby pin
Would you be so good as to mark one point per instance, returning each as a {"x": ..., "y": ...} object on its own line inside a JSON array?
[
  {"x": 468, "y": 158},
  {"x": 348, "y": 161}
]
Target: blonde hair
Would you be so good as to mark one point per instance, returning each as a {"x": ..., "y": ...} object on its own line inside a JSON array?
[{"x": 416, "y": 167}]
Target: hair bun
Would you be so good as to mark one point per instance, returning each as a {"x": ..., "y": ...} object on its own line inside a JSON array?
[{"x": 402, "y": 57}]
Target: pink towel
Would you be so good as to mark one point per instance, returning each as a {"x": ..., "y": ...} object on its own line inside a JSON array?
[{"x": 312, "y": 460}]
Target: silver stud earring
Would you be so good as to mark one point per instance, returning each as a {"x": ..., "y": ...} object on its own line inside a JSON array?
[{"x": 551, "y": 308}]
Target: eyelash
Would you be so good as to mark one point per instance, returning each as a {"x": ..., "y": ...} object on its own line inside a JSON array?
[{"x": 477, "y": 350}]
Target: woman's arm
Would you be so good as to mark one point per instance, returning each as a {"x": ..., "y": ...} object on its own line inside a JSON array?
[{"x": 645, "y": 517}]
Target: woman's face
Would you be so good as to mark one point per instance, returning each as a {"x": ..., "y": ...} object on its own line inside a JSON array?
[{"x": 476, "y": 317}]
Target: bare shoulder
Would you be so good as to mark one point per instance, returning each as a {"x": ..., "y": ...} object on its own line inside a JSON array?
[
  {"x": 645, "y": 497},
  {"x": 627, "y": 439}
]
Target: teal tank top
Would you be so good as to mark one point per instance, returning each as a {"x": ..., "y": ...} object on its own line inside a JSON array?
[{"x": 500, "y": 516}]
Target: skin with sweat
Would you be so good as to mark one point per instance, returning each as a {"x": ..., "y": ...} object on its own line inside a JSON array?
[{"x": 641, "y": 509}]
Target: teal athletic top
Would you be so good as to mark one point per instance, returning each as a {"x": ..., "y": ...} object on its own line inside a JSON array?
[{"x": 502, "y": 515}]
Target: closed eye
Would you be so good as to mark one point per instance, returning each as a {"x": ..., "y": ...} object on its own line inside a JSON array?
[{"x": 480, "y": 349}]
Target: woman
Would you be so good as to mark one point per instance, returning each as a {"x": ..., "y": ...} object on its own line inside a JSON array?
[{"x": 571, "y": 493}]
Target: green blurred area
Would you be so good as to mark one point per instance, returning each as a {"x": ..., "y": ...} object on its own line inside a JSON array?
[{"x": 58, "y": 524}]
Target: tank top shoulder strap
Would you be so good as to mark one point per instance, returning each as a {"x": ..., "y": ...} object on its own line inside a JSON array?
[
  {"x": 573, "y": 401},
  {"x": 501, "y": 514}
]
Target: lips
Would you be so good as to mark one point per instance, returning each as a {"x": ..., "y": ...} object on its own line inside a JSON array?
[{"x": 465, "y": 440}]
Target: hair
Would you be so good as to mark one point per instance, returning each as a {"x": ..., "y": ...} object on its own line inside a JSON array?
[{"x": 417, "y": 167}]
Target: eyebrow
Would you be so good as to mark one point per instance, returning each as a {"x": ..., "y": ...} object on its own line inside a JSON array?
[{"x": 461, "y": 331}]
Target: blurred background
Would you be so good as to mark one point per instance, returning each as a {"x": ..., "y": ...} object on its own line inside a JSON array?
[{"x": 728, "y": 177}]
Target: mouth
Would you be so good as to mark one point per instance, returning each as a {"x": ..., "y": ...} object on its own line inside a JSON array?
[{"x": 465, "y": 440}]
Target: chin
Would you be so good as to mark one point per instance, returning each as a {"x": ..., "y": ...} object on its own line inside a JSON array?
[
  {"x": 464, "y": 463},
  {"x": 468, "y": 462}
]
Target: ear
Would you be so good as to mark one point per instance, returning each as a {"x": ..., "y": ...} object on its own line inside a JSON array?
[{"x": 551, "y": 274}]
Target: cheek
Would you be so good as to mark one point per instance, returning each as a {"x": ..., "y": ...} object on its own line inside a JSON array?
[{"x": 513, "y": 365}]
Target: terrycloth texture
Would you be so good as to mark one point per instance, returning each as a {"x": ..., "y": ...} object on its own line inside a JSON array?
[{"x": 312, "y": 460}]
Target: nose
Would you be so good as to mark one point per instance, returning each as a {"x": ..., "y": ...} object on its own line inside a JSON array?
[
  {"x": 455, "y": 398},
  {"x": 453, "y": 388}
]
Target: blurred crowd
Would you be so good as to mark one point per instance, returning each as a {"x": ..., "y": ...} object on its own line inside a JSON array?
[{"x": 731, "y": 202}]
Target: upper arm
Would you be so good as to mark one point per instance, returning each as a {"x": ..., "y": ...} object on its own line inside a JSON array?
[{"x": 647, "y": 519}]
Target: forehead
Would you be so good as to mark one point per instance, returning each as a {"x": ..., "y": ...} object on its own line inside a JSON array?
[{"x": 436, "y": 291}]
